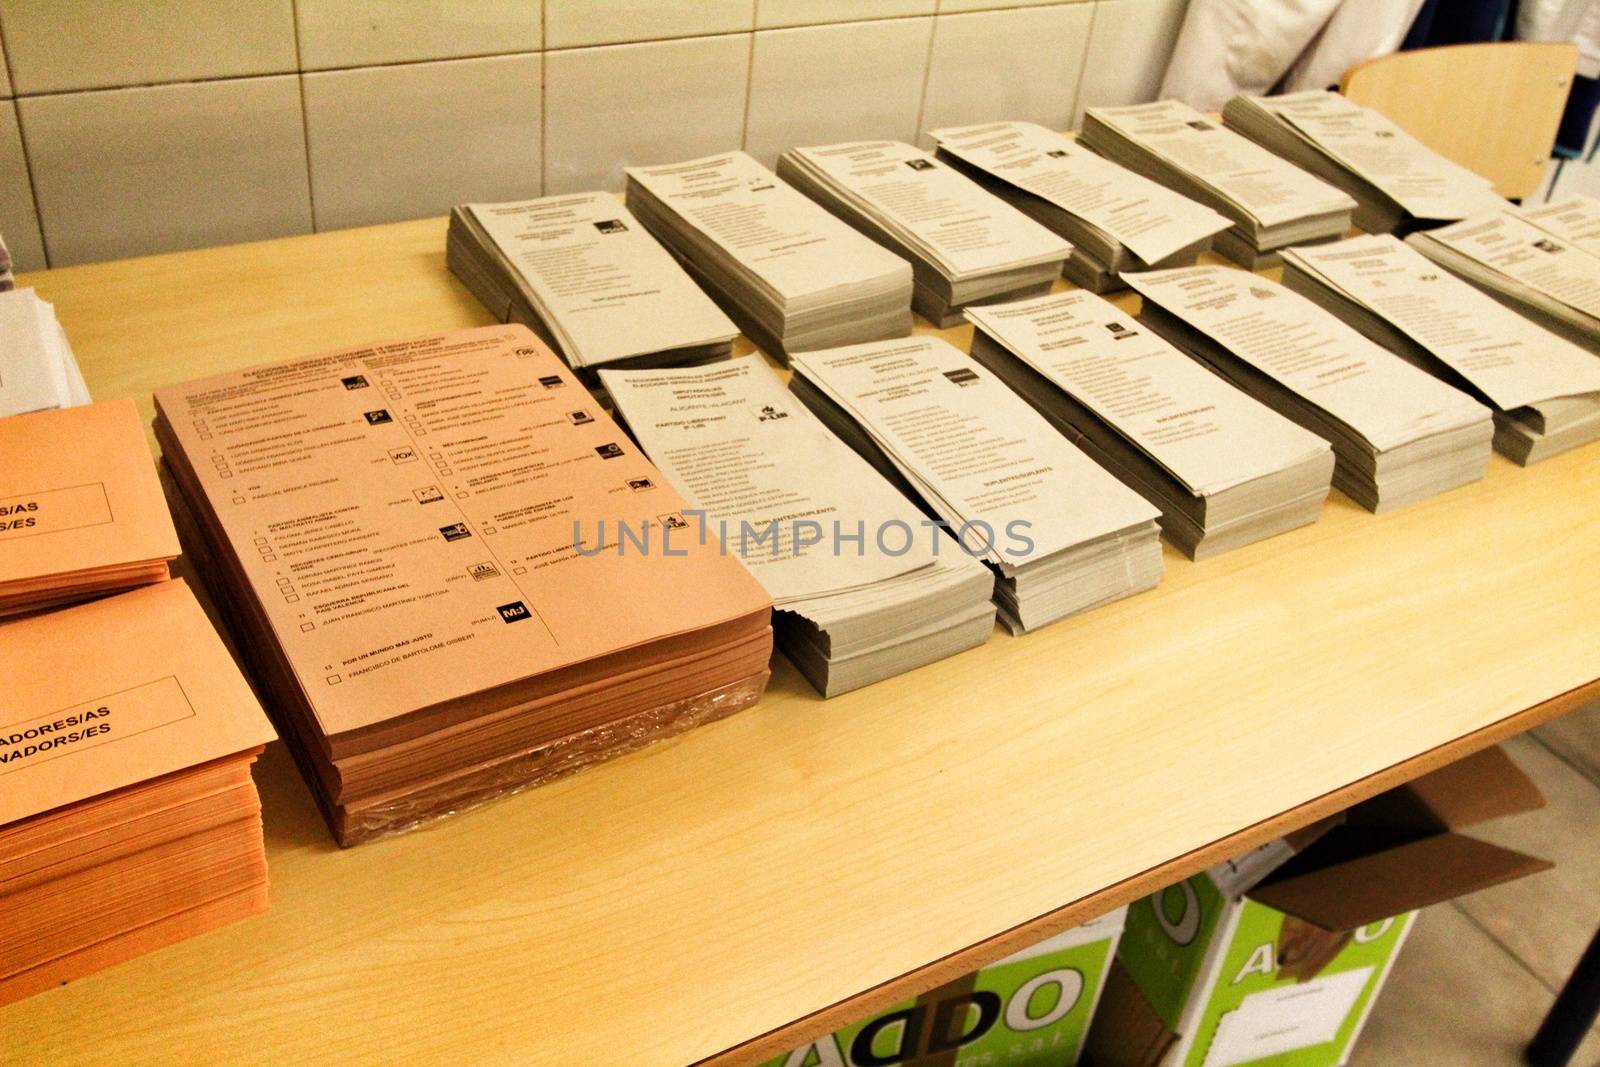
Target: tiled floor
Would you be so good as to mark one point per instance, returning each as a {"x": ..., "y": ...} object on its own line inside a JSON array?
[{"x": 1478, "y": 975}]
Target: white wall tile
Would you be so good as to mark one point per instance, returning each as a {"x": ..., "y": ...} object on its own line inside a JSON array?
[
  {"x": 576, "y": 23},
  {"x": 824, "y": 84},
  {"x": 949, "y": 6},
  {"x": 774, "y": 13},
  {"x": 353, "y": 33},
  {"x": 1128, "y": 52},
  {"x": 636, "y": 104},
  {"x": 58, "y": 45},
  {"x": 132, "y": 171},
  {"x": 972, "y": 54},
  {"x": 404, "y": 142},
  {"x": 19, "y": 221}
]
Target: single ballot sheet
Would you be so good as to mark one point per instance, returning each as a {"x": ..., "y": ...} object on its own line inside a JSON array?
[
  {"x": 1151, "y": 220},
  {"x": 1201, "y": 429},
  {"x": 1377, "y": 394}
]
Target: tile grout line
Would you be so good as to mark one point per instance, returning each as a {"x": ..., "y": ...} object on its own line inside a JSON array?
[
  {"x": 27, "y": 157},
  {"x": 1518, "y": 960},
  {"x": 544, "y": 100},
  {"x": 1588, "y": 774},
  {"x": 305, "y": 115},
  {"x": 749, "y": 75},
  {"x": 1083, "y": 64}
]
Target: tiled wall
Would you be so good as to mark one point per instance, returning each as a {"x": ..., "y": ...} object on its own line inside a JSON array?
[{"x": 128, "y": 128}]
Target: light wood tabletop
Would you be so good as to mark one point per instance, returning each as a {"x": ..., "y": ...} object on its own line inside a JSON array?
[{"x": 732, "y": 892}]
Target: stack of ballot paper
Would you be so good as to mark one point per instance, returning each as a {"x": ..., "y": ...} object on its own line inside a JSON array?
[
  {"x": 447, "y": 565},
  {"x": 1115, "y": 219},
  {"x": 1575, "y": 220},
  {"x": 128, "y": 817},
  {"x": 965, "y": 245},
  {"x": 1399, "y": 434},
  {"x": 1525, "y": 265},
  {"x": 864, "y": 588},
  {"x": 37, "y": 368},
  {"x": 1224, "y": 469},
  {"x": 1545, "y": 391},
  {"x": 1062, "y": 534},
  {"x": 1272, "y": 202},
  {"x": 791, "y": 275},
  {"x": 81, "y": 509},
  {"x": 1398, "y": 182},
  {"x": 588, "y": 279}
]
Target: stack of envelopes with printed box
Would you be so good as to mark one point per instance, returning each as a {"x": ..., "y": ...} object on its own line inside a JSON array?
[
  {"x": 128, "y": 816},
  {"x": 81, "y": 511},
  {"x": 447, "y": 566}
]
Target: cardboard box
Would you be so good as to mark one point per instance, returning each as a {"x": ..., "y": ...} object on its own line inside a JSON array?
[
  {"x": 1275, "y": 959},
  {"x": 1031, "y": 1009}
]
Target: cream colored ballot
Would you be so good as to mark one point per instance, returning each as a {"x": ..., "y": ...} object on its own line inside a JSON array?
[
  {"x": 1203, "y": 431},
  {"x": 1063, "y": 534},
  {"x": 1510, "y": 360},
  {"x": 605, "y": 288},
  {"x": 964, "y": 229},
  {"x": 1424, "y": 183},
  {"x": 868, "y": 588},
  {"x": 1524, "y": 253},
  {"x": 789, "y": 242},
  {"x": 1271, "y": 190},
  {"x": 752, "y": 459},
  {"x": 1152, "y": 221},
  {"x": 1399, "y": 433},
  {"x": 1575, "y": 220},
  {"x": 81, "y": 510}
]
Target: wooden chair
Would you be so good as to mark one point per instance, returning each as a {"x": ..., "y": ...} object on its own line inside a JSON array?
[{"x": 1493, "y": 108}]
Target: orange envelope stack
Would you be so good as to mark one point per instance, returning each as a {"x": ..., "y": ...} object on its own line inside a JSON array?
[
  {"x": 81, "y": 509},
  {"x": 447, "y": 565},
  {"x": 128, "y": 817}
]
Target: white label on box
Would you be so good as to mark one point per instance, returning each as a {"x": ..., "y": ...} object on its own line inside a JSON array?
[{"x": 1291, "y": 1017}]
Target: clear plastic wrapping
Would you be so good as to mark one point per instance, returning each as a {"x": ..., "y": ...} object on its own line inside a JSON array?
[{"x": 546, "y": 763}]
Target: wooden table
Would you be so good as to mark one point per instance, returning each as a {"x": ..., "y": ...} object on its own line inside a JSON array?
[{"x": 731, "y": 893}]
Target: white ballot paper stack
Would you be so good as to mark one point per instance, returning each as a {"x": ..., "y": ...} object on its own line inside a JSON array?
[
  {"x": 37, "y": 369},
  {"x": 1225, "y": 469},
  {"x": 864, "y": 588},
  {"x": 965, "y": 245},
  {"x": 1526, "y": 266},
  {"x": 1062, "y": 534},
  {"x": 1115, "y": 219},
  {"x": 791, "y": 275},
  {"x": 1545, "y": 391},
  {"x": 1399, "y": 434},
  {"x": 1272, "y": 202},
  {"x": 584, "y": 275},
  {"x": 1398, "y": 182}
]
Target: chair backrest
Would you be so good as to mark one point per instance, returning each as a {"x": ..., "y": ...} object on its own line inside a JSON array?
[{"x": 1493, "y": 108}]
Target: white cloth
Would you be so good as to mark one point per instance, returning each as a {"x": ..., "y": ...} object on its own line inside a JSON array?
[
  {"x": 1564, "y": 20},
  {"x": 1228, "y": 47}
]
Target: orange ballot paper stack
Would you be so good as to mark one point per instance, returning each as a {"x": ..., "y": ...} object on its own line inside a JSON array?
[
  {"x": 128, "y": 818},
  {"x": 81, "y": 511},
  {"x": 455, "y": 576}
]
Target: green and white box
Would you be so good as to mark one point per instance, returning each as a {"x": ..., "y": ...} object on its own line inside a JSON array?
[
  {"x": 1031, "y": 1009},
  {"x": 1276, "y": 958}
]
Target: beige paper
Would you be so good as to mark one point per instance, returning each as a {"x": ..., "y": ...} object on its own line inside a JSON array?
[
  {"x": 1575, "y": 220},
  {"x": 407, "y": 516},
  {"x": 789, "y": 242},
  {"x": 605, "y": 286},
  {"x": 1513, "y": 361},
  {"x": 1421, "y": 181},
  {"x": 746, "y": 452},
  {"x": 1202, "y": 430},
  {"x": 1270, "y": 189},
  {"x": 1527, "y": 254},
  {"x": 1151, "y": 220},
  {"x": 963, "y": 228},
  {"x": 1377, "y": 394},
  {"x": 978, "y": 450}
]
